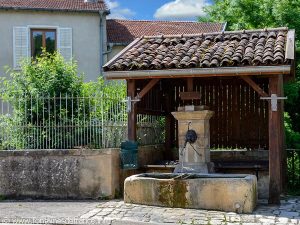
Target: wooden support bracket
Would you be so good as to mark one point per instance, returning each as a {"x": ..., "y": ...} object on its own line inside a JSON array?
[
  {"x": 260, "y": 91},
  {"x": 147, "y": 88}
]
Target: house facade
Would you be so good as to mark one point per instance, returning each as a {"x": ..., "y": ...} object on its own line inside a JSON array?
[
  {"x": 78, "y": 29},
  {"x": 75, "y": 28}
]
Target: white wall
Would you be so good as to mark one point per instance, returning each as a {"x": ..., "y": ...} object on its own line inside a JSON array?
[
  {"x": 85, "y": 29},
  {"x": 115, "y": 50}
]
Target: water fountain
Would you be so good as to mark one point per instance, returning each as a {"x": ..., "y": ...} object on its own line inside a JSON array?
[{"x": 193, "y": 185}]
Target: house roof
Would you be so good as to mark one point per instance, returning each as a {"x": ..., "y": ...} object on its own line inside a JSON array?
[
  {"x": 125, "y": 31},
  {"x": 269, "y": 47},
  {"x": 54, "y": 5}
]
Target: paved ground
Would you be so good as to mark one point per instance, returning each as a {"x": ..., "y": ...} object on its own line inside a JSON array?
[{"x": 115, "y": 212}]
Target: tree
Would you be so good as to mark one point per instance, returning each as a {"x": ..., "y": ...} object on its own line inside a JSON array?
[
  {"x": 256, "y": 14},
  {"x": 251, "y": 14}
]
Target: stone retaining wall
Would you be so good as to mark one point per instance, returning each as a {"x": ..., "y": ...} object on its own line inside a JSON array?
[
  {"x": 59, "y": 174},
  {"x": 68, "y": 174}
]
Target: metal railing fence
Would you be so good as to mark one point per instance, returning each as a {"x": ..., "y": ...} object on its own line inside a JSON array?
[{"x": 67, "y": 121}]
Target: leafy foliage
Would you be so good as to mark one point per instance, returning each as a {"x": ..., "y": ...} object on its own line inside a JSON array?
[
  {"x": 292, "y": 137},
  {"x": 47, "y": 75},
  {"x": 38, "y": 94},
  {"x": 250, "y": 14},
  {"x": 112, "y": 90}
]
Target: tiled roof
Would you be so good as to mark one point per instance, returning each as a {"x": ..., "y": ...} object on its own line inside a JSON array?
[
  {"x": 226, "y": 49},
  {"x": 56, "y": 5},
  {"x": 125, "y": 31}
]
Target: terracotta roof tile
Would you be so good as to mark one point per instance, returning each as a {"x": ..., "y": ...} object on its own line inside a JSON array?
[
  {"x": 59, "y": 5},
  {"x": 125, "y": 31},
  {"x": 244, "y": 48}
]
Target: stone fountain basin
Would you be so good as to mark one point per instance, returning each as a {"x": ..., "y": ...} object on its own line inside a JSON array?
[{"x": 225, "y": 192}]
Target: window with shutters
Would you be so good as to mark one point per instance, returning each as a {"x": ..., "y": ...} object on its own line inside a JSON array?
[
  {"x": 28, "y": 42},
  {"x": 43, "y": 39}
]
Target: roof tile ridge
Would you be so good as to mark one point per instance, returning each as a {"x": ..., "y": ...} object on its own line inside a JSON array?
[
  {"x": 165, "y": 21},
  {"x": 220, "y": 32}
]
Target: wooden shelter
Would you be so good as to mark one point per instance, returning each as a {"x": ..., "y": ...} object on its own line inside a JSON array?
[{"x": 239, "y": 75}]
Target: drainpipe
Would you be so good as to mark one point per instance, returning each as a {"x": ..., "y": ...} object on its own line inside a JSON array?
[
  {"x": 103, "y": 39},
  {"x": 110, "y": 48},
  {"x": 224, "y": 27}
]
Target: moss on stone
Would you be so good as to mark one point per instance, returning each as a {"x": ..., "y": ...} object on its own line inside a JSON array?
[
  {"x": 165, "y": 193},
  {"x": 173, "y": 193},
  {"x": 180, "y": 190}
]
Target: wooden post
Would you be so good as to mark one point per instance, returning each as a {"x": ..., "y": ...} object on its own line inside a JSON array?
[
  {"x": 132, "y": 116},
  {"x": 168, "y": 122},
  {"x": 275, "y": 143},
  {"x": 190, "y": 84}
]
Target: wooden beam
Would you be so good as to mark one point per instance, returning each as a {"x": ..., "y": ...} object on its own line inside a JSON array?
[
  {"x": 147, "y": 88},
  {"x": 190, "y": 84},
  {"x": 190, "y": 95},
  {"x": 275, "y": 144},
  {"x": 132, "y": 116},
  {"x": 254, "y": 86},
  {"x": 200, "y": 72}
]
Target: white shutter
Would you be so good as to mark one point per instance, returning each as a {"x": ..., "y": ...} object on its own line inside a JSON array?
[
  {"x": 20, "y": 45},
  {"x": 65, "y": 43}
]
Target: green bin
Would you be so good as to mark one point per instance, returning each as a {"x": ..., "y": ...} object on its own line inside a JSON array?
[{"x": 129, "y": 155}]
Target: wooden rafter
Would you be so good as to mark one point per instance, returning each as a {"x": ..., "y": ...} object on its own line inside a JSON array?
[
  {"x": 147, "y": 88},
  {"x": 260, "y": 91}
]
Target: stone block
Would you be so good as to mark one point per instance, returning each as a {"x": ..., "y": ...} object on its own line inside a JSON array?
[
  {"x": 189, "y": 108},
  {"x": 198, "y": 121},
  {"x": 232, "y": 193},
  {"x": 196, "y": 115}
]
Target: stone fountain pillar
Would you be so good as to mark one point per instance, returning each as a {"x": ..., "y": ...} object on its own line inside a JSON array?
[{"x": 195, "y": 158}]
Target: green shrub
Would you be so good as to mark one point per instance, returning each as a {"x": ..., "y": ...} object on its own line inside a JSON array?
[
  {"x": 39, "y": 95},
  {"x": 48, "y": 74}
]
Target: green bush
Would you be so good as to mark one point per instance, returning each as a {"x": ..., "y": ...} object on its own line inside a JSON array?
[
  {"x": 53, "y": 108},
  {"x": 292, "y": 137},
  {"x": 39, "y": 95},
  {"x": 293, "y": 157},
  {"x": 107, "y": 96},
  {"x": 48, "y": 74}
]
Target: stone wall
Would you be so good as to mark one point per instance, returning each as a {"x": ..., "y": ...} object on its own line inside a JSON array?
[
  {"x": 241, "y": 157},
  {"x": 59, "y": 174},
  {"x": 68, "y": 174}
]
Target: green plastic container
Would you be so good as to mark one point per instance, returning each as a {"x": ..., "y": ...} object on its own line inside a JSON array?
[{"x": 129, "y": 155}]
